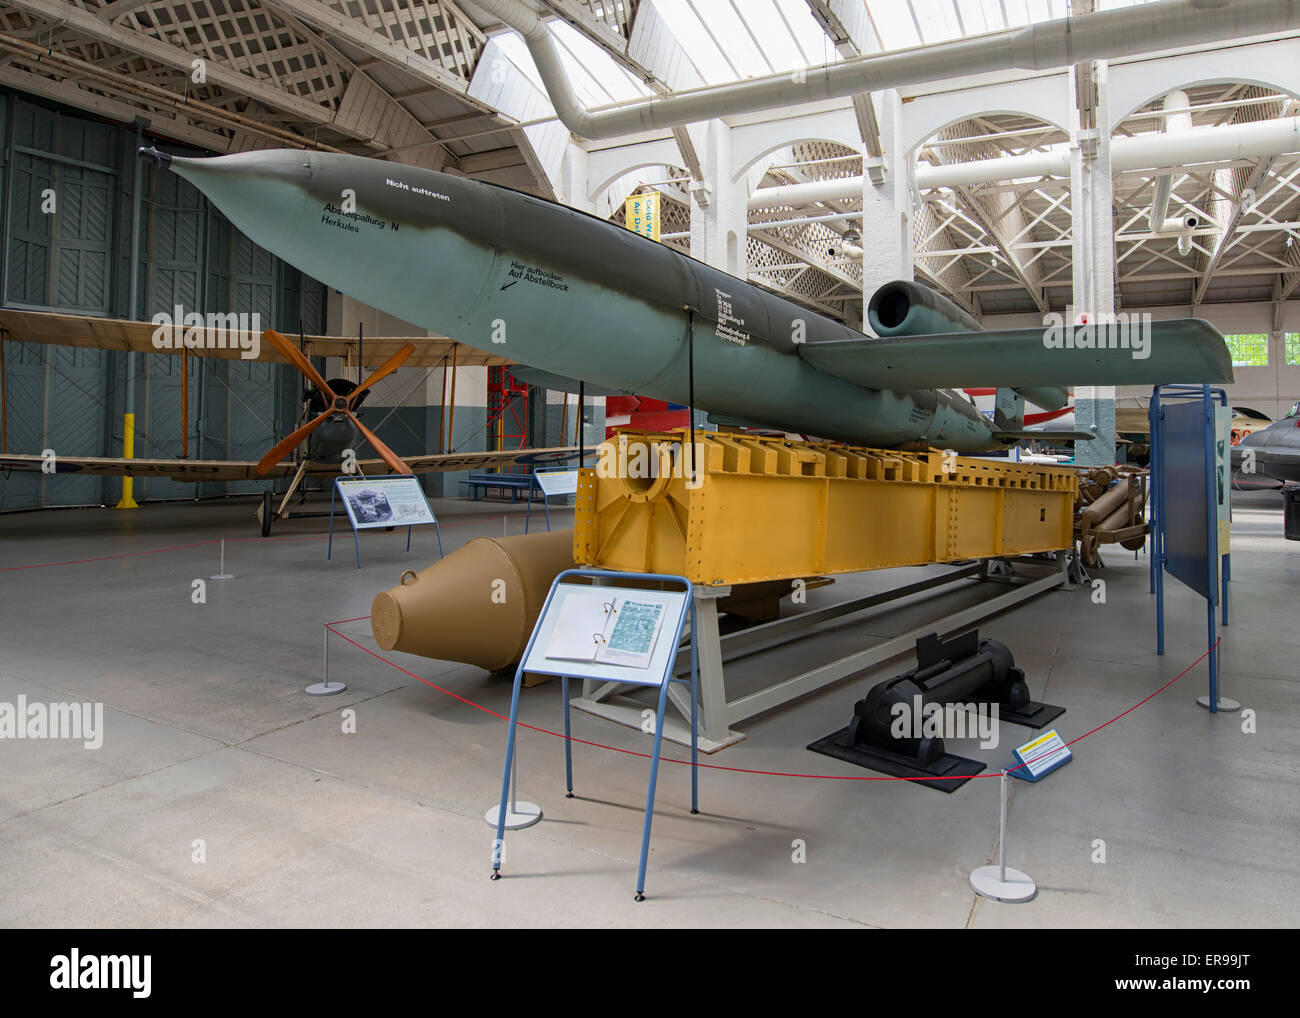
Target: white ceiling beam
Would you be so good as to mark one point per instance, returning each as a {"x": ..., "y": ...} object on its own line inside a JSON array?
[
  {"x": 1027, "y": 276},
  {"x": 1224, "y": 241},
  {"x": 326, "y": 19},
  {"x": 613, "y": 43},
  {"x": 120, "y": 8},
  {"x": 163, "y": 123},
  {"x": 496, "y": 159},
  {"x": 803, "y": 300},
  {"x": 829, "y": 14},
  {"x": 789, "y": 248},
  {"x": 963, "y": 298},
  {"x": 398, "y": 132},
  {"x": 218, "y": 73},
  {"x": 1286, "y": 287}
]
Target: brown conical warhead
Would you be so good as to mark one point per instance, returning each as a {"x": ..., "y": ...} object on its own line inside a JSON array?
[{"x": 478, "y": 605}]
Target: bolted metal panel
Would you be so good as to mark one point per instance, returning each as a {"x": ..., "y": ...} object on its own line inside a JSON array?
[{"x": 641, "y": 511}]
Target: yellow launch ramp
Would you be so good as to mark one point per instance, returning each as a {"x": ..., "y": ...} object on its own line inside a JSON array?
[{"x": 768, "y": 508}]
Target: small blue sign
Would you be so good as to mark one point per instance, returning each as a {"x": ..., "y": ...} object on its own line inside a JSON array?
[{"x": 1038, "y": 758}]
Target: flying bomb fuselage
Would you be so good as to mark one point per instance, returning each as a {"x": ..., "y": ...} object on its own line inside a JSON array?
[{"x": 563, "y": 291}]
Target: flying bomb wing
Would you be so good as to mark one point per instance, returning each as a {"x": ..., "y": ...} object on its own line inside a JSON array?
[{"x": 1183, "y": 350}]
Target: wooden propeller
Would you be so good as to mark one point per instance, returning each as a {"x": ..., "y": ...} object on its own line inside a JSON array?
[{"x": 336, "y": 404}]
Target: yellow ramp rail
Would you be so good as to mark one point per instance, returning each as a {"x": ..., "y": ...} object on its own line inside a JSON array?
[{"x": 768, "y": 508}]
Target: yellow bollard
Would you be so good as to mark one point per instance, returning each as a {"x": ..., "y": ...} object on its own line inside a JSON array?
[{"x": 128, "y": 452}]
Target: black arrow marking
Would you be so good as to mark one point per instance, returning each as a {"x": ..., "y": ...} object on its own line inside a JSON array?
[{"x": 510, "y": 284}]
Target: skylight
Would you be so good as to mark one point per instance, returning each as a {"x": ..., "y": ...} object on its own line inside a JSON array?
[
  {"x": 597, "y": 79},
  {"x": 728, "y": 40},
  {"x": 904, "y": 23}
]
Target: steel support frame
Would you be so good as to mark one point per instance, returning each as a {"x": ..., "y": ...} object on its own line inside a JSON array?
[{"x": 717, "y": 714}]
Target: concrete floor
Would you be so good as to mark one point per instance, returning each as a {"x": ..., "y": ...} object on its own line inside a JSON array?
[{"x": 210, "y": 739}]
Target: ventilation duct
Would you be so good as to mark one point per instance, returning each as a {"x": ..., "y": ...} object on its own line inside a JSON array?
[
  {"x": 1144, "y": 152},
  {"x": 1178, "y": 119},
  {"x": 1122, "y": 32}
]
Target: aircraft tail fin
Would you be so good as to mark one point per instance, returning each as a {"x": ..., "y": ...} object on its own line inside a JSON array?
[{"x": 1008, "y": 410}]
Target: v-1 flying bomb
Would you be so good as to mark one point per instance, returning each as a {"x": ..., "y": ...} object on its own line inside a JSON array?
[{"x": 578, "y": 296}]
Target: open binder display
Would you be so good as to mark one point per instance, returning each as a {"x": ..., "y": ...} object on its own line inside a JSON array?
[{"x": 607, "y": 628}]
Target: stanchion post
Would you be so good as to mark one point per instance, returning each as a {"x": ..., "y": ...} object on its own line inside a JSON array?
[
  {"x": 325, "y": 687},
  {"x": 221, "y": 570},
  {"x": 518, "y": 814},
  {"x": 998, "y": 882}
]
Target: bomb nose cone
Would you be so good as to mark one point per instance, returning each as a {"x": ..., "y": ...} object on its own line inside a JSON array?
[
  {"x": 478, "y": 605},
  {"x": 150, "y": 152}
]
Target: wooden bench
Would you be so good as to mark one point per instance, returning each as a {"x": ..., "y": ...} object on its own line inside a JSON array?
[{"x": 513, "y": 483}]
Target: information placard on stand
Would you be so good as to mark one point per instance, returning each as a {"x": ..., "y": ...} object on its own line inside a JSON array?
[
  {"x": 611, "y": 632},
  {"x": 387, "y": 500},
  {"x": 551, "y": 482}
]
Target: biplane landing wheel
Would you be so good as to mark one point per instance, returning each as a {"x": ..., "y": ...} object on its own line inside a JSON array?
[{"x": 266, "y": 512}]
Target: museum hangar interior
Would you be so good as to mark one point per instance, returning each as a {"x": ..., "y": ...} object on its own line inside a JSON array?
[{"x": 809, "y": 463}]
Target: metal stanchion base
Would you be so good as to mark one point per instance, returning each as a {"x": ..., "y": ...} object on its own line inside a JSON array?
[
  {"x": 222, "y": 576},
  {"x": 987, "y": 882},
  {"x": 1225, "y": 704},
  {"x": 525, "y": 814},
  {"x": 325, "y": 688}
]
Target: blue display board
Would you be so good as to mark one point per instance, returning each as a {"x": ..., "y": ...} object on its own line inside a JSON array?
[
  {"x": 551, "y": 481},
  {"x": 1187, "y": 501},
  {"x": 1184, "y": 463},
  {"x": 385, "y": 500}
]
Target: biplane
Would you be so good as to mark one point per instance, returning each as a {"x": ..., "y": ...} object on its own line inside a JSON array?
[{"x": 330, "y": 434}]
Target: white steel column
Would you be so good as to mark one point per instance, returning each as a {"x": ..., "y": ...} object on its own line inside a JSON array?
[
  {"x": 719, "y": 213},
  {"x": 574, "y": 185},
  {"x": 887, "y": 241},
  {"x": 1094, "y": 263}
]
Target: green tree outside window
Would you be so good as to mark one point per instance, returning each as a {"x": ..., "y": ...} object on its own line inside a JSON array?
[{"x": 1249, "y": 349}]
